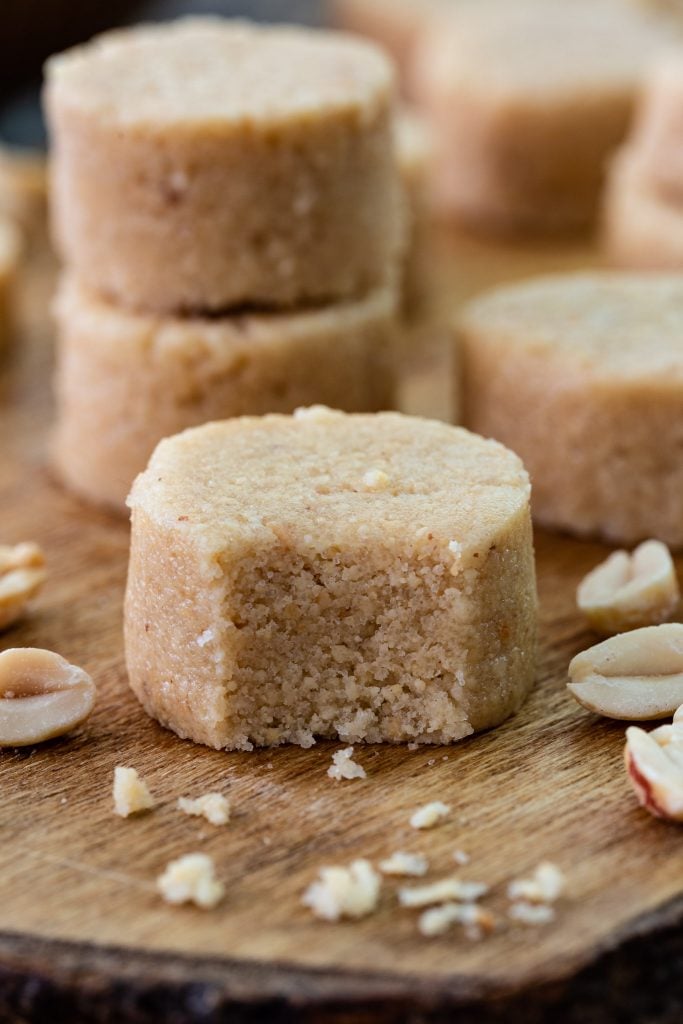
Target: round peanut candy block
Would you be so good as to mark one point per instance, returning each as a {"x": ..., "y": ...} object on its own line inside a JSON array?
[
  {"x": 125, "y": 380},
  {"x": 204, "y": 164},
  {"x": 527, "y": 100},
  {"x": 582, "y": 376},
  {"x": 366, "y": 577}
]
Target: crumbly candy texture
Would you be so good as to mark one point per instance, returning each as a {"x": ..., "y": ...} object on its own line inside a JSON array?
[
  {"x": 582, "y": 376},
  {"x": 273, "y": 598},
  {"x": 126, "y": 380},
  {"x": 131, "y": 793},
  {"x": 527, "y": 100},
  {"x": 205, "y": 163}
]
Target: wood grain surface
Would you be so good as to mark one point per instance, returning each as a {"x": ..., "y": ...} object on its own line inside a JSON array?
[{"x": 83, "y": 933}]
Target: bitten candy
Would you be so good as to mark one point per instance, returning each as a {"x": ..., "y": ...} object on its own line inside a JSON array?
[
  {"x": 353, "y": 576},
  {"x": 206, "y": 164},
  {"x": 125, "y": 380},
  {"x": 582, "y": 376}
]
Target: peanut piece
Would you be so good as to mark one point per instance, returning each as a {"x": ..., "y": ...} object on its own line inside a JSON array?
[
  {"x": 41, "y": 696},
  {"x": 629, "y": 591},
  {"x": 654, "y": 762},
  {"x": 634, "y": 676},
  {"x": 22, "y": 574}
]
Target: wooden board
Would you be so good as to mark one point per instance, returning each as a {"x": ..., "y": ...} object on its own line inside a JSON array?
[{"x": 83, "y": 934}]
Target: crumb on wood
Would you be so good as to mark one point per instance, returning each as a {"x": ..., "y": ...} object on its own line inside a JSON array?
[
  {"x": 545, "y": 885},
  {"x": 531, "y": 913},
  {"x": 400, "y": 863},
  {"x": 440, "y": 891},
  {"x": 430, "y": 814},
  {"x": 344, "y": 891},
  {"x": 476, "y": 921},
  {"x": 131, "y": 793},
  {"x": 344, "y": 767},
  {"x": 191, "y": 879},
  {"x": 215, "y": 807}
]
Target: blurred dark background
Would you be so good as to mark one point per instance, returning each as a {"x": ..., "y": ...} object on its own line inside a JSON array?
[{"x": 33, "y": 29}]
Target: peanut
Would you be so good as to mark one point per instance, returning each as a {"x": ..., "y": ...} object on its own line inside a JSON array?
[
  {"x": 634, "y": 676},
  {"x": 629, "y": 591},
  {"x": 41, "y": 696}
]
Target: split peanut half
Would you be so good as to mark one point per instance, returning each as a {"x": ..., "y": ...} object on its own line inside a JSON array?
[
  {"x": 628, "y": 591},
  {"x": 654, "y": 762},
  {"x": 41, "y": 696},
  {"x": 634, "y": 676}
]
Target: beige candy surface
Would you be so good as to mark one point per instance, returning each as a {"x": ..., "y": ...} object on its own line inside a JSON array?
[
  {"x": 582, "y": 376},
  {"x": 126, "y": 380},
  {"x": 527, "y": 100},
  {"x": 204, "y": 164},
  {"x": 366, "y": 577},
  {"x": 642, "y": 226}
]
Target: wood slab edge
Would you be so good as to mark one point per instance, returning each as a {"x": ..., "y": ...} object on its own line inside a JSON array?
[{"x": 634, "y": 978}]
